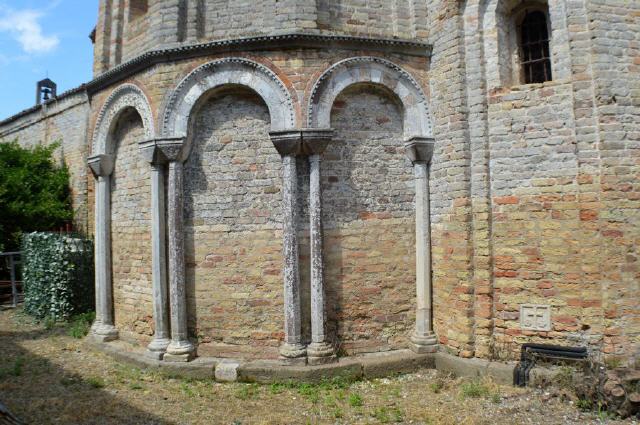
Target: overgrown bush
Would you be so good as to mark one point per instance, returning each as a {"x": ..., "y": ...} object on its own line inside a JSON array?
[
  {"x": 34, "y": 192},
  {"x": 58, "y": 275}
]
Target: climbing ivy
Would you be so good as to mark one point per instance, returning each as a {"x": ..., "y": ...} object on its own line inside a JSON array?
[{"x": 57, "y": 274}]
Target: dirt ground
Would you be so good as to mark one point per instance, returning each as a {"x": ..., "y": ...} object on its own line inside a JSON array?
[{"x": 49, "y": 377}]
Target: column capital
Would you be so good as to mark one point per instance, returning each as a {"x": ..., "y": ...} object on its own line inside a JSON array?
[
  {"x": 419, "y": 149},
  {"x": 316, "y": 140},
  {"x": 101, "y": 164},
  {"x": 287, "y": 142},
  {"x": 151, "y": 152},
  {"x": 172, "y": 149}
]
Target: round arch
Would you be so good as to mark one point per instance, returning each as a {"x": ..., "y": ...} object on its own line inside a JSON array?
[
  {"x": 417, "y": 119},
  {"x": 227, "y": 72},
  {"x": 122, "y": 98}
]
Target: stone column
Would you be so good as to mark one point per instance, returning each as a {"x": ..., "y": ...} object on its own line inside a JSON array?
[
  {"x": 420, "y": 152},
  {"x": 288, "y": 144},
  {"x": 320, "y": 351},
  {"x": 158, "y": 346},
  {"x": 180, "y": 349},
  {"x": 103, "y": 328}
]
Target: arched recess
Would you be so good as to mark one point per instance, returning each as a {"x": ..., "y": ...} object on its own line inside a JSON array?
[
  {"x": 122, "y": 98},
  {"x": 178, "y": 109},
  {"x": 417, "y": 119}
]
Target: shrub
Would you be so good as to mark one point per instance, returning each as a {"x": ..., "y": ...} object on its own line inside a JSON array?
[
  {"x": 34, "y": 192},
  {"x": 58, "y": 275}
]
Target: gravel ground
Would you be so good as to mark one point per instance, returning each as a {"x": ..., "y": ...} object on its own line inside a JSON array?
[{"x": 48, "y": 377}]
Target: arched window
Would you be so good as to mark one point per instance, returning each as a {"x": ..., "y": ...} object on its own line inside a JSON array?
[{"x": 535, "y": 62}]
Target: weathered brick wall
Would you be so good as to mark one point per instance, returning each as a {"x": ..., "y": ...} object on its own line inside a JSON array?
[
  {"x": 369, "y": 223},
  {"x": 63, "y": 121},
  {"x": 131, "y": 231},
  {"x": 233, "y": 218},
  {"x": 615, "y": 57}
]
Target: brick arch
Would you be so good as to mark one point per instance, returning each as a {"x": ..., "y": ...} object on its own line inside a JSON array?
[
  {"x": 124, "y": 97},
  {"x": 226, "y": 72},
  {"x": 417, "y": 119}
]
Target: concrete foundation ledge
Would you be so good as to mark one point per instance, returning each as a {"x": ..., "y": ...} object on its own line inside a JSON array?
[{"x": 371, "y": 365}]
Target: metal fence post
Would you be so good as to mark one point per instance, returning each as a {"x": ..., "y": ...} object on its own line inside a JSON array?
[{"x": 14, "y": 289}]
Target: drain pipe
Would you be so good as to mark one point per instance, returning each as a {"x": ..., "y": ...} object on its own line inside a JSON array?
[{"x": 530, "y": 352}]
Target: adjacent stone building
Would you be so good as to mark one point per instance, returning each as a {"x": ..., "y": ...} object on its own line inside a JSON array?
[{"x": 306, "y": 178}]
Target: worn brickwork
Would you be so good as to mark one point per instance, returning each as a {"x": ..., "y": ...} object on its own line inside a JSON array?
[
  {"x": 130, "y": 230},
  {"x": 534, "y": 193}
]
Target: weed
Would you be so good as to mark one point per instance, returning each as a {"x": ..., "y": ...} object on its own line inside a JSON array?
[
  {"x": 136, "y": 386},
  {"x": 474, "y": 389},
  {"x": 79, "y": 325},
  {"x": 67, "y": 382},
  {"x": 18, "y": 363},
  {"x": 14, "y": 370},
  {"x": 277, "y": 388},
  {"x": 338, "y": 413},
  {"x": 310, "y": 391},
  {"x": 613, "y": 362},
  {"x": 185, "y": 387},
  {"x": 49, "y": 323},
  {"x": 246, "y": 391},
  {"x": 96, "y": 382},
  {"x": 495, "y": 398},
  {"x": 584, "y": 404},
  {"x": 436, "y": 386},
  {"x": 382, "y": 415},
  {"x": 355, "y": 400},
  {"x": 564, "y": 377}
]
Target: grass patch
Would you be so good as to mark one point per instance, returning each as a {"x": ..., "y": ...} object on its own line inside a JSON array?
[
  {"x": 96, "y": 382},
  {"x": 474, "y": 389},
  {"x": 14, "y": 369},
  {"x": 79, "y": 325},
  {"x": 247, "y": 391},
  {"x": 355, "y": 400},
  {"x": 385, "y": 415}
]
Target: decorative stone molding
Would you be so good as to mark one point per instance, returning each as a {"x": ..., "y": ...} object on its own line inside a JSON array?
[
  {"x": 238, "y": 71},
  {"x": 288, "y": 142},
  {"x": 417, "y": 120},
  {"x": 124, "y": 97},
  {"x": 316, "y": 140},
  {"x": 419, "y": 149},
  {"x": 101, "y": 165}
]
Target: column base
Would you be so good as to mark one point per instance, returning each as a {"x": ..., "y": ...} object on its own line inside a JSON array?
[
  {"x": 179, "y": 351},
  {"x": 104, "y": 333},
  {"x": 292, "y": 351},
  {"x": 157, "y": 348},
  {"x": 422, "y": 344},
  {"x": 320, "y": 353}
]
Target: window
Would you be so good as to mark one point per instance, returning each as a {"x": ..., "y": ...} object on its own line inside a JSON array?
[{"x": 535, "y": 62}]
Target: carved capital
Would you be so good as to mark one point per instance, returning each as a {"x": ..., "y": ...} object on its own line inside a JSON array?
[
  {"x": 172, "y": 149},
  {"x": 419, "y": 149},
  {"x": 101, "y": 165},
  {"x": 151, "y": 152},
  {"x": 316, "y": 140},
  {"x": 288, "y": 142}
]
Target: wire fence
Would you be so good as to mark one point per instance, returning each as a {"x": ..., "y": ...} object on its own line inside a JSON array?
[{"x": 11, "y": 287}]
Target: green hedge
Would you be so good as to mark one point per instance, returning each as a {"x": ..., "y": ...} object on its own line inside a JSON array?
[{"x": 57, "y": 274}]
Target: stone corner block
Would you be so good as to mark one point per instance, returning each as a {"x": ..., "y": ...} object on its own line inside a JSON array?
[
  {"x": 287, "y": 142},
  {"x": 419, "y": 149},
  {"x": 101, "y": 164},
  {"x": 227, "y": 371}
]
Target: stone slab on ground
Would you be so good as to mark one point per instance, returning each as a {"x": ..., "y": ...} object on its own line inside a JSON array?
[{"x": 501, "y": 372}]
